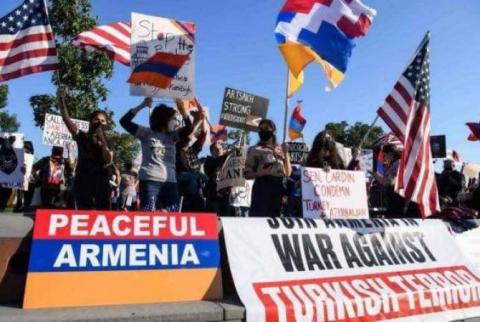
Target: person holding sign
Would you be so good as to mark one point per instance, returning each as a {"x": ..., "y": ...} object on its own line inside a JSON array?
[
  {"x": 324, "y": 153},
  {"x": 94, "y": 161},
  {"x": 157, "y": 175},
  {"x": 268, "y": 164}
]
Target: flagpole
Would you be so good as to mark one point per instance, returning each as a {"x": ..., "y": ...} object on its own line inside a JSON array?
[
  {"x": 287, "y": 99},
  {"x": 368, "y": 132}
]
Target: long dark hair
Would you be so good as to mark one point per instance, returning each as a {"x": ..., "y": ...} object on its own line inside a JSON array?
[
  {"x": 161, "y": 115},
  {"x": 272, "y": 125},
  {"x": 317, "y": 159}
]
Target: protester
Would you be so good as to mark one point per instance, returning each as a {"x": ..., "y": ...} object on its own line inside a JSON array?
[
  {"x": 450, "y": 183},
  {"x": 51, "y": 172},
  {"x": 94, "y": 161},
  {"x": 188, "y": 166},
  {"x": 324, "y": 153},
  {"x": 24, "y": 198},
  {"x": 158, "y": 183},
  {"x": 217, "y": 201},
  {"x": 354, "y": 164},
  {"x": 269, "y": 165},
  {"x": 128, "y": 187},
  {"x": 294, "y": 193}
]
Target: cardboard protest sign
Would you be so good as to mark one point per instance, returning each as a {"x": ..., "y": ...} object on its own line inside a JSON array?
[
  {"x": 438, "y": 144},
  {"x": 11, "y": 160},
  {"x": 232, "y": 173},
  {"x": 242, "y": 110},
  {"x": 298, "y": 152},
  {"x": 334, "y": 194},
  {"x": 242, "y": 196},
  {"x": 82, "y": 258},
  {"x": 55, "y": 132},
  {"x": 151, "y": 35},
  {"x": 350, "y": 270}
]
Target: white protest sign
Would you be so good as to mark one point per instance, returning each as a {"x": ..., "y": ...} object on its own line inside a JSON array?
[
  {"x": 11, "y": 160},
  {"x": 365, "y": 159},
  {"x": 334, "y": 194},
  {"x": 344, "y": 153},
  {"x": 232, "y": 173},
  {"x": 55, "y": 132},
  {"x": 28, "y": 159},
  {"x": 152, "y": 34},
  {"x": 404, "y": 270},
  {"x": 242, "y": 196}
]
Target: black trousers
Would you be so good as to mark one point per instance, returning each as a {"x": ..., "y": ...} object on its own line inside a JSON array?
[
  {"x": 267, "y": 193},
  {"x": 92, "y": 192}
]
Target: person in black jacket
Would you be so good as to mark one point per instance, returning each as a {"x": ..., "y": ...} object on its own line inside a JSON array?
[{"x": 450, "y": 183}]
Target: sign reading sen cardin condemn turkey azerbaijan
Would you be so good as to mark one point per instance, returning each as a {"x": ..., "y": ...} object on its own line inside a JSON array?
[
  {"x": 243, "y": 110},
  {"x": 86, "y": 258}
]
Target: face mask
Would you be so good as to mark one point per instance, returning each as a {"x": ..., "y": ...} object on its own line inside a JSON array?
[{"x": 265, "y": 135}]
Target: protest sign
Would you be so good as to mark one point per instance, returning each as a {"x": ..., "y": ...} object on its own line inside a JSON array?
[
  {"x": 344, "y": 153},
  {"x": 334, "y": 194},
  {"x": 438, "y": 144},
  {"x": 11, "y": 160},
  {"x": 151, "y": 35},
  {"x": 298, "y": 152},
  {"x": 55, "y": 132},
  {"x": 365, "y": 159},
  {"x": 84, "y": 258},
  {"x": 28, "y": 161},
  {"x": 232, "y": 174},
  {"x": 242, "y": 110},
  {"x": 242, "y": 196},
  {"x": 467, "y": 236},
  {"x": 350, "y": 270}
]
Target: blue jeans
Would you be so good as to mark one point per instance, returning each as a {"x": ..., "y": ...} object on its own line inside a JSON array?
[{"x": 165, "y": 194}]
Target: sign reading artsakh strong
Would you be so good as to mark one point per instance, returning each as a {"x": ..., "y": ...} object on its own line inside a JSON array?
[{"x": 84, "y": 258}]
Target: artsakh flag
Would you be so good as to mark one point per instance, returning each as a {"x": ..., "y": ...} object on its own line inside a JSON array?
[
  {"x": 159, "y": 70},
  {"x": 321, "y": 31},
  {"x": 475, "y": 128},
  {"x": 297, "y": 123}
]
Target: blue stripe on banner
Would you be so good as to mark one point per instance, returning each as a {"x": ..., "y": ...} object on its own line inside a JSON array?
[
  {"x": 330, "y": 44},
  {"x": 116, "y": 255},
  {"x": 157, "y": 67},
  {"x": 295, "y": 125}
]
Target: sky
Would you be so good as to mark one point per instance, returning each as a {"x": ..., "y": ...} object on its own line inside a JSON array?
[{"x": 236, "y": 47}]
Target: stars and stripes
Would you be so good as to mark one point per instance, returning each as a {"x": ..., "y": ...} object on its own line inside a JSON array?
[
  {"x": 389, "y": 138},
  {"x": 27, "y": 44},
  {"x": 407, "y": 112},
  {"x": 113, "y": 39}
]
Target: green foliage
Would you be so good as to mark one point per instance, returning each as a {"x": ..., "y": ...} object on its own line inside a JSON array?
[
  {"x": 127, "y": 148},
  {"x": 236, "y": 134},
  {"x": 352, "y": 135},
  {"x": 8, "y": 122}
]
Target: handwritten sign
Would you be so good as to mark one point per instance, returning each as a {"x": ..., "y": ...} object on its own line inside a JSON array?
[
  {"x": 298, "y": 152},
  {"x": 242, "y": 110},
  {"x": 155, "y": 34},
  {"x": 334, "y": 194},
  {"x": 114, "y": 258},
  {"x": 232, "y": 173},
  {"x": 242, "y": 196},
  {"x": 55, "y": 132}
]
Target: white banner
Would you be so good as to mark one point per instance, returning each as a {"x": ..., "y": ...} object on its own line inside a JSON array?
[
  {"x": 307, "y": 270},
  {"x": 232, "y": 174},
  {"x": 152, "y": 34},
  {"x": 334, "y": 194},
  {"x": 11, "y": 160},
  {"x": 55, "y": 132}
]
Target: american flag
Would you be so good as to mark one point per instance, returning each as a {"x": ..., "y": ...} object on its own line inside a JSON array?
[
  {"x": 407, "y": 112},
  {"x": 27, "y": 44},
  {"x": 113, "y": 39},
  {"x": 389, "y": 138}
]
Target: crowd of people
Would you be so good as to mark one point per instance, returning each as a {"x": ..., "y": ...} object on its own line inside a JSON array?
[{"x": 173, "y": 177}]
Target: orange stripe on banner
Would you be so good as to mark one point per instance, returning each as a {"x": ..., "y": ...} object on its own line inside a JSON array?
[
  {"x": 49, "y": 290},
  {"x": 150, "y": 78}
]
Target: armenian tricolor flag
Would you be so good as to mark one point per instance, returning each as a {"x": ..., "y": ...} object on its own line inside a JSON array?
[
  {"x": 475, "y": 128},
  {"x": 219, "y": 133},
  {"x": 297, "y": 123},
  {"x": 321, "y": 31},
  {"x": 159, "y": 70}
]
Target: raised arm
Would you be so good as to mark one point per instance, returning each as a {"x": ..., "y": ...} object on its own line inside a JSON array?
[
  {"x": 72, "y": 128},
  {"x": 127, "y": 120},
  {"x": 187, "y": 129}
]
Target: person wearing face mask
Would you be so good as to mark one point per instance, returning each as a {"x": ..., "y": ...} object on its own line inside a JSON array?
[
  {"x": 268, "y": 164},
  {"x": 95, "y": 157},
  {"x": 324, "y": 153},
  {"x": 157, "y": 176}
]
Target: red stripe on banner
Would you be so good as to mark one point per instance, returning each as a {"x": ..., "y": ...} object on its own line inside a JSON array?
[
  {"x": 44, "y": 52},
  {"x": 27, "y": 71},
  {"x": 110, "y": 37},
  {"x": 110, "y": 225},
  {"x": 27, "y": 39},
  {"x": 391, "y": 124},
  {"x": 85, "y": 42},
  {"x": 404, "y": 93},
  {"x": 370, "y": 297},
  {"x": 123, "y": 28},
  {"x": 397, "y": 108}
]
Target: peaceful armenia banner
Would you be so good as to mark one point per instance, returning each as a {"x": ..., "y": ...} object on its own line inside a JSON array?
[{"x": 350, "y": 270}]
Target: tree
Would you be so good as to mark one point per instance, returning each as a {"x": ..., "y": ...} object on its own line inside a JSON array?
[
  {"x": 127, "y": 149},
  {"x": 236, "y": 134},
  {"x": 8, "y": 123},
  {"x": 352, "y": 135},
  {"x": 80, "y": 72}
]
